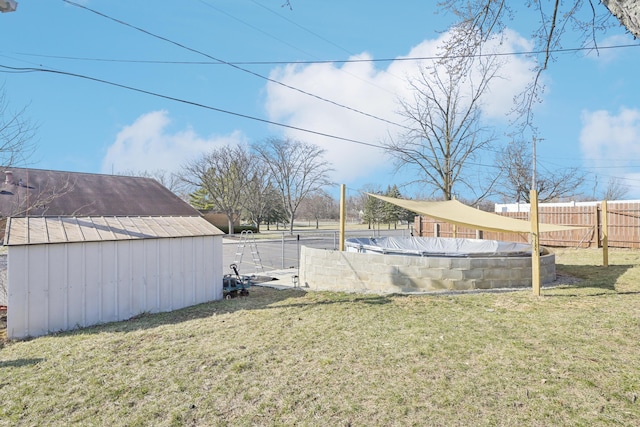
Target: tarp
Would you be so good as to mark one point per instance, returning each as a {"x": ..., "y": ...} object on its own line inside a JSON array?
[
  {"x": 454, "y": 212},
  {"x": 437, "y": 246}
]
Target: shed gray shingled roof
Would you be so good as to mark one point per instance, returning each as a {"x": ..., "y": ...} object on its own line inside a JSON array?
[{"x": 36, "y": 192}]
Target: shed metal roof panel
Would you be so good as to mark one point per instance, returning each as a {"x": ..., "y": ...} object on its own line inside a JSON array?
[{"x": 41, "y": 230}]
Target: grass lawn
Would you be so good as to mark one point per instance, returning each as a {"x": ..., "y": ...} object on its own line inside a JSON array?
[{"x": 570, "y": 357}]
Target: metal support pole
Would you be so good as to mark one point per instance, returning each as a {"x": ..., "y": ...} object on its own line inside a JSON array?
[
  {"x": 605, "y": 234},
  {"x": 283, "y": 250},
  {"x": 342, "y": 216}
]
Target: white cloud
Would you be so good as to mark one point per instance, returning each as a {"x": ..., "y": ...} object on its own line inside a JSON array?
[
  {"x": 612, "y": 141},
  {"x": 147, "y": 145},
  {"x": 364, "y": 87},
  {"x": 607, "y": 137},
  {"x": 605, "y": 55}
]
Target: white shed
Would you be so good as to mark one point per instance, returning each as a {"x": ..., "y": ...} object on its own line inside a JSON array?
[{"x": 70, "y": 272}]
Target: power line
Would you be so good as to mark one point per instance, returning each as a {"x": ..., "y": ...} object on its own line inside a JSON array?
[
  {"x": 302, "y": 28},
  {"x": 14, "y": 70},
  {"x": 208, "y": 107},
  {"x": 234, "y": 66},
  {"x": 309, "y": 62},
  {"x": 286, "y": 43},
  {"x": 184, "y": 101}
]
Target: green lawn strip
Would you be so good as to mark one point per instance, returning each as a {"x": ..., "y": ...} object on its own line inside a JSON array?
[{"x": 568, "y": 357}]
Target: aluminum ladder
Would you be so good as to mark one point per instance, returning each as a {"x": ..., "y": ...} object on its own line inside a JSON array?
[{"x": 248, "y": 239}]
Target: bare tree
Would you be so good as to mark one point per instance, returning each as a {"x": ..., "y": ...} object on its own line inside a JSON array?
[
  {"x": 487, "y": 18},
  {"x": 222, "y": 173},
  {"x": 515, "y": 162},
  {"x": 627, "y": 12},
  {"x": 297, "y": 169},
  {"x": 615, "y": 190},
  {"x": 168, "y": 179},
  {"x": 17, "y": 146},
  {"x": 317, "y": 206},
  {"x": 17, "y": 134},
  {"x": 444, "y": 120},
  {"x": 261, "y": 196},
  {"x": 35, "y": 200},
  {"x": 29, "y": 192},
  {"x": 355, "y": 206}
]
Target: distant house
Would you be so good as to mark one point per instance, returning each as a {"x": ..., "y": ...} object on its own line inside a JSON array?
[
  {"x": 219, "y": 219},
  {"x": 87, "y": 248}
]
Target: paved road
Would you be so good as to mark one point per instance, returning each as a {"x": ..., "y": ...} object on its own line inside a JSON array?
[
  {"x": 272, "y": 254},
  {"x": 282, "y": 251}
]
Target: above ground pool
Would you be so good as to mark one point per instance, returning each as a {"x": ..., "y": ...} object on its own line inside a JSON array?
[
  {"x": 422, "y": 264},
  {"x": 438, "y": 247}
]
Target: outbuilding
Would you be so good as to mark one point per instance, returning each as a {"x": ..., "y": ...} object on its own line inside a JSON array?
[{"x": 75, "y": 259}]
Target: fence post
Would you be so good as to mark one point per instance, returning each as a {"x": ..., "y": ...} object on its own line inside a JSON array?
[{"x": 343, "y": 213}]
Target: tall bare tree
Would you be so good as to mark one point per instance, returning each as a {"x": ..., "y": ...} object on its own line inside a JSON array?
[
  {"x": 223, "y": 174},
  {"x": 17, "y": 146},
  {"x": 297, "y": 169},
  {"x": 615, "y": 190},
  {"x": 627, "y": 12},
  {"x": 319, "y": 205},
  {"x": 261, "y": 197},
  {"x": 588, "y": 18},
  {"x": 171, "y": 180},
  {"x": 444, "y": 120},
  {"x": 515, "y": 162},
  {"x": 17, "y": 134}
]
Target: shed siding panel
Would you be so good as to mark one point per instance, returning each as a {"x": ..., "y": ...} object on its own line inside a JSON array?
[
  {"x": 214, "y": 262},
  {"x": 58, "y": 288},
  {"x": 165, "y": 269},
  {"x": 152, "y": 274},
  {"x": 76, "y": 294},
  {"x": 18, "y": 296},
  {"x": 38, "y": 290},
  {"x": 63, "y": 286},
  {"x": 92, "y": 283},
  {"x": 125, "y": 290},
  {"x": 138, "y": 269},
  {"x": 177, "y": 274},
  {"x": 108, "y": 268}
]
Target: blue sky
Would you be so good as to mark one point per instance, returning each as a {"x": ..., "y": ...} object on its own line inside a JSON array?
[{"x": 589, "y": 117}]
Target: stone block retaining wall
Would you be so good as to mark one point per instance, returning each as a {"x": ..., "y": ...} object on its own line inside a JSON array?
[{"x": 360, "y": 272}]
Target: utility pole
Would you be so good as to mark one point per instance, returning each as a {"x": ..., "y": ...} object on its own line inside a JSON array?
[{"x": 533, "y": 174}]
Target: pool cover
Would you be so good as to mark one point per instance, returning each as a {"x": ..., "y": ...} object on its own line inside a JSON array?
[{"x": 438, "y": 247}]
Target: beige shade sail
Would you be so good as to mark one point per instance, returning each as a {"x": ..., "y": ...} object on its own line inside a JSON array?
[{"x": 454, "y": 212}]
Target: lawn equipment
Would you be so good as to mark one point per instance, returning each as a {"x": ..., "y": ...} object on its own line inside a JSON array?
[{"x": 234, "y": 284}]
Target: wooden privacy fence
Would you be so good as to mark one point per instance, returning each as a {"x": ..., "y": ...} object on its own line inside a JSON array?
[{"x": 623, "y": 226}]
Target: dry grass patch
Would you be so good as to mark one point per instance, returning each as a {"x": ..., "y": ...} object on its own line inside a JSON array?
[{"x": 290, "y": 357}]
